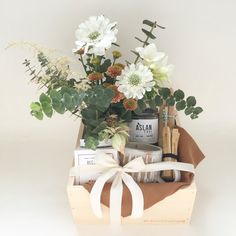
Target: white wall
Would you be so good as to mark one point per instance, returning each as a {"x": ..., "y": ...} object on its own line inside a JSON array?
[{"x": 200, "y": 39}]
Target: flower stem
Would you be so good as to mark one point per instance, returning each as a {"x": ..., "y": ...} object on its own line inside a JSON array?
[{"x": 84, "y": 66}]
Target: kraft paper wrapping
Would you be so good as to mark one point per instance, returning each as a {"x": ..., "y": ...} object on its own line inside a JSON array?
[{"x": 189, "y": 152}]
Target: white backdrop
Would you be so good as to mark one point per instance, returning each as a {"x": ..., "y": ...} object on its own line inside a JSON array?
[{"x": 35, "y": 156}]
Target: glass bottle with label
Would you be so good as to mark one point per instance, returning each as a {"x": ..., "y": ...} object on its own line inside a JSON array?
[{"x": 144, "y": 127}]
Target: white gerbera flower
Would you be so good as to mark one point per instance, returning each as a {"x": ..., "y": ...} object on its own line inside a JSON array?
[
  {"x": 156, "y": 61},
  {"x": 150, "y": 53},
  {"x": 95, "y": 35},
  {"x": 135, "y": 80},
  {"x": 161, "y": 69}
]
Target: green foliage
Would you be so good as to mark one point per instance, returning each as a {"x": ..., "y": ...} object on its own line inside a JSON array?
[
  {"x": 149, "y": 34},
  {"x": 180, "y": 105},
  {"x": 170, "y": 101},
  {"x": 46, "y": 104},
  {"x": 126, "y": 115},
  {"x": 166, "y": 97},
  {"x": 104, "y": 66},
  {"x": 100, "y": 97},
  {"x": 57, "y": 100},
  {"x": 158, "y": 100},
  {"x": 43, "y": 60},
  {"x": 91, "y": 142},
  {"x": 164, "y": 92},
  {"x": 179, "y": 95},
  {"x": 191, "y": 101},
  {"x": 189, "y": 110},
  {"x": 149, "y": 23},
  {"x": 152, "y": 24},
  {"x": 141, "y": 104},
  {"x": 47, "y": 109},
  {"x": 197, "y": 110},
  {"x": 36, "y": 110},
  {"x": 99, "y": 128}
]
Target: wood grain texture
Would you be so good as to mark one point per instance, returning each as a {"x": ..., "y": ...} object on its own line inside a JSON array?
[{"x": 175, "y": 209}]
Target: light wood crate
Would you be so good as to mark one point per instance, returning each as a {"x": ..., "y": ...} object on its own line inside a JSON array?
[{"x": 175, "y": 209}]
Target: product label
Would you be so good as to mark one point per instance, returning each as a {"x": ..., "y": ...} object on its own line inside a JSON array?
[{"x": 144, "y": 130}]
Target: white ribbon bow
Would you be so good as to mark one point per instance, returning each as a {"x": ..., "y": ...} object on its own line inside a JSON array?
[{"x": 111, "y": 171}]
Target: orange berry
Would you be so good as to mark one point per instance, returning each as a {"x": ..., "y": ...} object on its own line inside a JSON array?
[{"x": 130, "y": 104}]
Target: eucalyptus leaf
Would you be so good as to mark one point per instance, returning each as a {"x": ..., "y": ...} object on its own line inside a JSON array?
[
  {"x": 58, "y": 105},
  {"x": 91, "y": 142},
  {"x": 149, "y": 23},
  {"x": 170, "y": 101},
  {"x": 126, "y": 116},
  {"x": 158, "y": 100},
  {"x": 141, "y": 104},
  {"x": 67, "y": 100},
  {"x": 47, "y": 109},
  {"x": 180, "y": 105},
  {"x": 37, "y": 114},
  {"x": 44, "y": 98},
  {"x": 54, "y": 94},
  {"x": 191, "y": 101},
  {"x": 164, "y": 92},
  {"x": 197, "y": 110},
  {"x": 194, "y": 116},
  {"x": 90, "y": 113},
  {"x": 188, "y": 111},
  {"x": 105, "y": 65},
  {"x": 115, "y": 44},
  {"x": 100, "y": 127},
  {"x": 179, "y": 95},
  {"x": 35, "y": 106},
  {"x": 149, "y": 34},
  {"x": 138, "y": 111},
  {"x": 94, "y": 122},
  {"x": 152, "y": 104}
]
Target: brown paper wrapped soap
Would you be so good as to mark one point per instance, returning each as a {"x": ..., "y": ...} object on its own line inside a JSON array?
[{"x": 189, "y": 152}]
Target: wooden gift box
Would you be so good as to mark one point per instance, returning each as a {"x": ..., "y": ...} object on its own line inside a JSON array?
[{"x": 174, "y": 209}]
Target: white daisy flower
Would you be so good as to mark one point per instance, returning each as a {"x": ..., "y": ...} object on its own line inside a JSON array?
[
  {"x": 157, "y": 62},
  {"x": 95, "y": 35},
  {"x": 150, "y": 53},
  {"x": 135, "y": 80},
  {"x": 161, "y": 69}
]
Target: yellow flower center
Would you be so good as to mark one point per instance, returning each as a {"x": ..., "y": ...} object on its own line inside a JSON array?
[
  {"x": 94, "y": 35},
  {"x": 134, "y": 80}
]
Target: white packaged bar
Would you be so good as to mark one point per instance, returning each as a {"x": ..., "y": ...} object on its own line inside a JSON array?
[{"x": 84, "y": 156}]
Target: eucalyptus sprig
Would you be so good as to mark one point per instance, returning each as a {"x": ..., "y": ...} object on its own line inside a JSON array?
[
  {"x": 167, "y": 97},
  {"x": 149, "y": 35}
]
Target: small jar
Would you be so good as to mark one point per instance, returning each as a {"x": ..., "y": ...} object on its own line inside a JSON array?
[{"x": 144, "y": 127}]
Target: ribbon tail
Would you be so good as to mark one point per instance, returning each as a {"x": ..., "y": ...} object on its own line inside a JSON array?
[
  {"x": 137, "y": 196},
  {"x": 116, "y": 199},
  {"x": 95, "y": 194}
]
